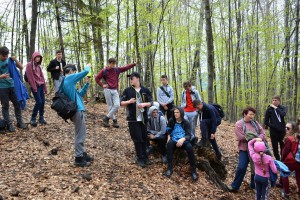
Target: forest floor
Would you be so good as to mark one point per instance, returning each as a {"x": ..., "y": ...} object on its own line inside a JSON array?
[{"x": 28, "y": 169}]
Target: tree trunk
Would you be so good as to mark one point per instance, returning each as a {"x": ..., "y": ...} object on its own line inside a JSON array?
[
  {"x": 295, "y": 96},
  {"x": 25, "y": 30},
  {"x": 136, "y": 36},
  {"x": 59, "y": 29},
  {"x": 34, "y": 15}
]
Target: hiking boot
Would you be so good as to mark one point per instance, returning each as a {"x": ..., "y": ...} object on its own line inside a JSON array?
[
  {"x": 194, "y": 176},
  {"x": 194, "y": 141},
  {"x": 231, "y": 189},
  {"x": 149, "y": 149},
  {"x": 81, "y": 162},
  {"x": 11, "y": 127},
  {"x": 164, "y": 159},
  {"x": 22, "y": 125},
  {"x": 147, "y": 161},
  {"x": 105, "y": 121},
  {"x": 87, "y": 157},
  {"x": 140, "y": 163},
  {"x": 284, "y": 195},
  {"x": 33, "y": 122},
  {"x": 115, "y": 123},
  {"x": 42, "y": 120},
  {"x": 169, "y": 173}
]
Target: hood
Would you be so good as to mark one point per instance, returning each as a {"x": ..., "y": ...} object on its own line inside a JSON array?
[
  {"x": 181, "y": 112},
  {"x": 35, "y": 54},
  {"x": 151, "y": 109}
]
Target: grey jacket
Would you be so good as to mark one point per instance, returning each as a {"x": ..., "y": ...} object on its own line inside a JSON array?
[
  {"x": 194, "y": 93},
  {"x": 156, "y": 125},
  {"x": 162, "y": 97}
]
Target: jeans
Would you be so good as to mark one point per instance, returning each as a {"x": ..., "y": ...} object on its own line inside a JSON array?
[
  {"x": 6, "y": 95},
  {"x": 39, "y": 98},
  {"x": 261, "y": 184},
  {"x": 192, "y": 118},
  {"x": 138, "y": 134},
  {"x": 80, "y": 132},
  {"x": 161, "y": 142},
  {"x": 113, "y": 102},
  {"x": 188, "y": 148},
  {"x": 241, "y": 171},
  {"x": 205, "y": 127},
  {"x": 277, "y": 137}
]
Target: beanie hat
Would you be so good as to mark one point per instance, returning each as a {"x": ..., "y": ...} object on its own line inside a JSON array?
[{"x": 259, "y": 147}]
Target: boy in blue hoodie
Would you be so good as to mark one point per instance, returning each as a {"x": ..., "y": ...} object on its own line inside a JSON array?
[{"x": 82, "y": 159}]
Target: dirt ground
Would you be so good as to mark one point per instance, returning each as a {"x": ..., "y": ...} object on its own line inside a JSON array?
[{"x": 29, "y": 168}]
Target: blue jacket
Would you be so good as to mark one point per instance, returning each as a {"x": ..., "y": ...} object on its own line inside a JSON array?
[
  {"x": 69, "y": 87},
  {"x": 284, "y": 170},
  {"x": 20, "y": 90}
]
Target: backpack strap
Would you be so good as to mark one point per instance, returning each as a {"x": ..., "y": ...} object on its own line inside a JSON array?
[
  {"x": 164, "y": 91},
  {"x": 105, "y": 72},
  {"x": 254, "y": 124}
]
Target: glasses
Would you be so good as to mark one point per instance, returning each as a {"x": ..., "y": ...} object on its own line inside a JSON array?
[
  {"x": 131, "y": 78},
  {"x": 288, "y": 128}
]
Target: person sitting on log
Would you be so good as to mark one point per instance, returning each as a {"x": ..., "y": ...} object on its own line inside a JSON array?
[
  {"x": 179, "y": 134},
  {"x": 156, "y": 129},
  {"x": 209, "y": 121}
]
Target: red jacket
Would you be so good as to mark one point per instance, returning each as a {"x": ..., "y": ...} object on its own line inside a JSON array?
[{"x": 289, "y": 150}]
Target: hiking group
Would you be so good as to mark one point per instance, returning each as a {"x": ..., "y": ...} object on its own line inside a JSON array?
[{"x": 162, "y": 124}]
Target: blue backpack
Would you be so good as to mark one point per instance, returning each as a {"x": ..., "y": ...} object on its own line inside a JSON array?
[{"x": 105, "y": 72}]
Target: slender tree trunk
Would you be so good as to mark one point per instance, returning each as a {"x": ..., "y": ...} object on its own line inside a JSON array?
[
  {"x": 136, "y": 35},
  {"x": 296, "y": 60},
  {"x": 25, "y": 30},
  {"x": 59, "y": 29},
  {"x": 34, "y": 15},
  {"x": 118, "y": 29}
]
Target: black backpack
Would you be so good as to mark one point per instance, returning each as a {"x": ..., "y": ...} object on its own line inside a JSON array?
[
  {"x": 65, "y": 107},
  {"x": 219, "y": 109}
]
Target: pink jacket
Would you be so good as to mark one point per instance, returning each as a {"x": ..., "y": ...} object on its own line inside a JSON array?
[
  {"x": 240, "y": 134},
  {"x": 34, "y": 73},
  {"x": 267, "y": 160}
]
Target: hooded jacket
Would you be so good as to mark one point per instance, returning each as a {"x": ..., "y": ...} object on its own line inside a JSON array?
[
  {"x": 33, "y": 68},
  {"x": 274, "y": 118},
  {"x": 194, "y": 93},
  {"x": 184, "y": 123},
  {"x": 156, "y": 125},
  {"x": 210, "y": 112},
  {"x": 55, "y": 73}
]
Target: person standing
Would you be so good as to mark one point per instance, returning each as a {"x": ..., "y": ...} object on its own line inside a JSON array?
[
  {"x": 7, "y": 91},
  {"x": 209, "y": 121},
  {"x": 82, "y": 159},
  {"x": 110, "y": 74},
  {"x": 274, "y": 118},
  {"x": 165, "y": 97},
  {"x": 137, "y": 99},
  {"x": 56, "y": 68},
  {"x": 38, "y": 86},
  {"x": 188, "y": 95}
]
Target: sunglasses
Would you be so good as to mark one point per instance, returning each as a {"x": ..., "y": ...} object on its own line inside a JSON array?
[{"x": 288, "y": 128}]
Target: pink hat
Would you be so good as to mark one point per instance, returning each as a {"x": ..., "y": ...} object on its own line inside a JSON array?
[{"x": 259, "y": 146}]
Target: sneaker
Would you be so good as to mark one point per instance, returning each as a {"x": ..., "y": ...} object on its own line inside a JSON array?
[
  {"x": 105, "y": 121},
  {"x": 164, "y": 159},
  {"x": 140, "y": 163},
  {"x": 231, "y": 189},
  {"x": 87, "y": 157},
  {"x": 284, "y": 195},
  {"x": 169, "y": 173},
  {"x": 42, "y": 121},
  {"x": 11, "y": 127},
  {"x": 194, "y": 176},
  {"x": 22, "y": 125},
  {"x": 81, "y": 162},
  {"x": 147, "y": 161},
  {"x": 33, "y": 122},
  {"x": 115, "y": 123}
]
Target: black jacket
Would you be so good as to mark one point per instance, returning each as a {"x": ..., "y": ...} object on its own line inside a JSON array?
[
  {"x": 55, "y": 73},
  {"x": 272, "y": 121},
  {"x": 185, "y": 124},
  {"x": 210, "y": 112},
  {"x": 131, "y": 111}
]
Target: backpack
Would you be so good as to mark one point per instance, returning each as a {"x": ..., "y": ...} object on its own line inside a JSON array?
[
  {"x": 219, "y": 109},
  {"x": 105, "y": 72},
  {"x": 65, "y": 107},
  {"x": 160, "y": 114}
]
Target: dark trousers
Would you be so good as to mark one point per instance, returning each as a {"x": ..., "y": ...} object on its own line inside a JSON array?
[
  {"x": 261, "y": 184},
  {"x": 277, "y": 137},
  {"x": 39, "y": 98},
  {"x": 241, "y": 171},
  {"x": 188, "y": 148},
  {"x": 6, "y": 95},
  {"x": 169, "y": 111},
  {"x": 285, "y": 181},
  {"x": 205, "y": 127},
  {"x": 138, "y": 134},
  {"x": 161, "y": 142}
]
